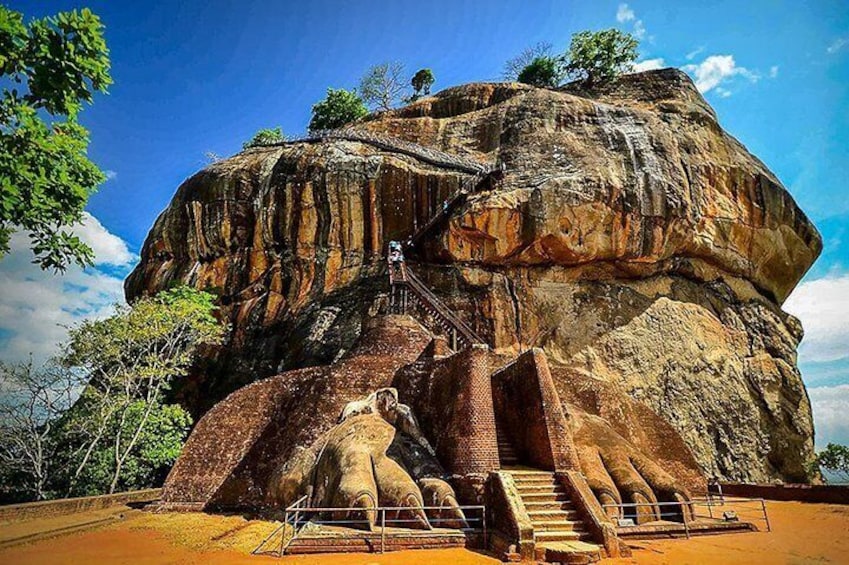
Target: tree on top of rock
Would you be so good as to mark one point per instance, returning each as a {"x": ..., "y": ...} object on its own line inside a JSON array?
[
  {"x": 421, "y": 82},
  {"x": 340, "y": 107},
  {"x": 383, "y": 85},
  {"x": 265, "y": 136},
  {"x": 600, "y": 56},
  {"x": 514, "y": 67},
  {"x": 545, "y": 72},
  {"x": 48, "y": 69}
]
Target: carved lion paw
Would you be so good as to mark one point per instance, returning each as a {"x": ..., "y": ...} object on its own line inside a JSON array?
[
  {"x": 619, "y": 473},
  {"x": 352, "y": 472}
]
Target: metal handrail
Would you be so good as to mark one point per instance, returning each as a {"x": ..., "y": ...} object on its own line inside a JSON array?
[
  {"x": 708, "y": 501},
  {"x": 296, "y": 515},
  {"x": 425, "y": 294},
  {"x": 394, "y": 144}
]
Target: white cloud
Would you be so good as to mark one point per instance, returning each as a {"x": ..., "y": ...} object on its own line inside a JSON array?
[
  {"x": 773, "y": 71},
  {"x": 649, "y": 65},
  {"x": 722, "y": 92},
  {"x": 639, "y": 29},
  {"x": 109, "y": 249},
  {"x": 37, "y": 306},
  {"x": 823, "y": 307},
  {"x": 692, "y": 54},
  {"x": 835, "y": 46},
  {"x": 110, "y": 175},
  {"x": 624, "y": 13},
  {"x": 829, "y": 404},
  {"x": 716, "y": 70}
]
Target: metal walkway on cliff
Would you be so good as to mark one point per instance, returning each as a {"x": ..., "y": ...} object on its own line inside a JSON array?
[{"x": 406, "y": 287}]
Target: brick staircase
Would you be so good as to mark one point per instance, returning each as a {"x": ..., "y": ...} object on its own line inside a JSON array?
[{"x": 506, "y": 453}]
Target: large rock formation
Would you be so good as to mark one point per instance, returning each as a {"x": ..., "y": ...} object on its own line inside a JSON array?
[{"x": 631, "y": 238}]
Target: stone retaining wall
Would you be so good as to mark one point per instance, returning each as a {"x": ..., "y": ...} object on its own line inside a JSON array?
[
  {"x": 64, "y": 506},
  {"x": 830, "y": 494}
]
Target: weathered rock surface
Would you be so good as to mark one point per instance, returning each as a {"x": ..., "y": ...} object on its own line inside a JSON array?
[{"x": 631, "y": 238}]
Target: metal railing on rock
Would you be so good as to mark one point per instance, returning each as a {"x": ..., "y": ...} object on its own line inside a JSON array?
[
  {"x": 395, "y": 145},
  {"x": 300, "y": 518}
]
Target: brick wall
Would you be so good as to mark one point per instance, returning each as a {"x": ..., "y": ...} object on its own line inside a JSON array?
[
  {"x": 531, "y": 415},
  {"x": 452, "y": 397}
]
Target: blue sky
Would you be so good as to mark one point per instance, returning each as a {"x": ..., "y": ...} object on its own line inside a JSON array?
[{"x": 193, "y": 77}]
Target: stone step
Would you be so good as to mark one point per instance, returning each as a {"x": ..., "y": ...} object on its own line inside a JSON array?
[
  {"x": 559, "y": 526},
  {"x": 530, "y": 473},
  {"x": 560, "y": 536},
  {"x": 533, "y": 480},
  {"x": 571, "y": 552},
  {"x": 548, "y": 505},
  {"x": 525, "y": 488},
  {"x": 552, "y": 515},
  {"x": 544, "y": 497}
]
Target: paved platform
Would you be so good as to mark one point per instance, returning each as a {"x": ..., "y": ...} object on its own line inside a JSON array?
[{"x": 323, "y": 539}]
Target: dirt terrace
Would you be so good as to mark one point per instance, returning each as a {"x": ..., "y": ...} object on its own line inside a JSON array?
[{"x": 802, "y": 533}]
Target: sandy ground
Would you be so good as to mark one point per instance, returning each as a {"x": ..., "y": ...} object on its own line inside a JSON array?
[{"x": 802, "y": 533}]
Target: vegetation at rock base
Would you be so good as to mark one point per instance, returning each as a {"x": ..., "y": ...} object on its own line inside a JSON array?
[
  {"x": 340, "y": 107},
  {"x": 834, "y": 459},
  {"x": 49, "y": 67},
  {"x": 265, "y": 136},
  {"x": 94, "y": 421},
  {"x": 599, "y": 57},
  {"x": 383, "y": 85},
  {"x": 542, "y": 72},
  {"x": 31, "y": 406},
  {"x": 421, "y": 83}
]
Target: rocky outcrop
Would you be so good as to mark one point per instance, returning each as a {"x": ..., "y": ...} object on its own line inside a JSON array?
[{"x": 631, "y": 238}]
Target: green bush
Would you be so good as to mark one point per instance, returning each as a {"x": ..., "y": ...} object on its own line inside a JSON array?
[
  {"x": 544, "y": 72},
  {"x": 266, "y": 136},
  {"x": 340, "y": 107}
]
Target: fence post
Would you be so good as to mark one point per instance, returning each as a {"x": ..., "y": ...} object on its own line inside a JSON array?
[
  {"x": 766, "y": 516},
  {"x": 485, "y": 540},
  {"x": 382, "y": 531}
]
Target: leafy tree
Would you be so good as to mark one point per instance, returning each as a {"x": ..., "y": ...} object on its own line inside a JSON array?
[
  {"x": 382, "y": 86},
  {"x": 148, "y": 462},
  {"x": 32, "y": 401},
  {"x": 48, "y": 68},
  {"x": 517, "y": 64},
  {"x": 131, "y": 357},
  {"x": 542, "y": 72},
  {"x": 421, "y": 82},
  {"x": 266, "y": 136},
  {"x": 340, "y": 107},
  {"x": 599, "y": 57},
  {"x": 834, "y": 459}
]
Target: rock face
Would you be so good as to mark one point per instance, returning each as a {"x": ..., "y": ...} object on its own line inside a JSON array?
[{"x": 631, "y": 238}]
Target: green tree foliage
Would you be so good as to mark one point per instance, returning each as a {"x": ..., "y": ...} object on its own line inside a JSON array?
[
  {"x": 421, "y": 83},
  {"x": 383, "y": 85},
  {"x": 834, "y": 459},
  {"x": 599, "y": 57},
  {"x": 49, "y": 69},
  {"x": 131, "y": 357},
  {"x": 153, "y": 453},
  {"x": 340, "y": 107},
  {"x": 266, "y": 136},
  {"x": 544, "y": 72},
  {"x": 517, "y": 64}
]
